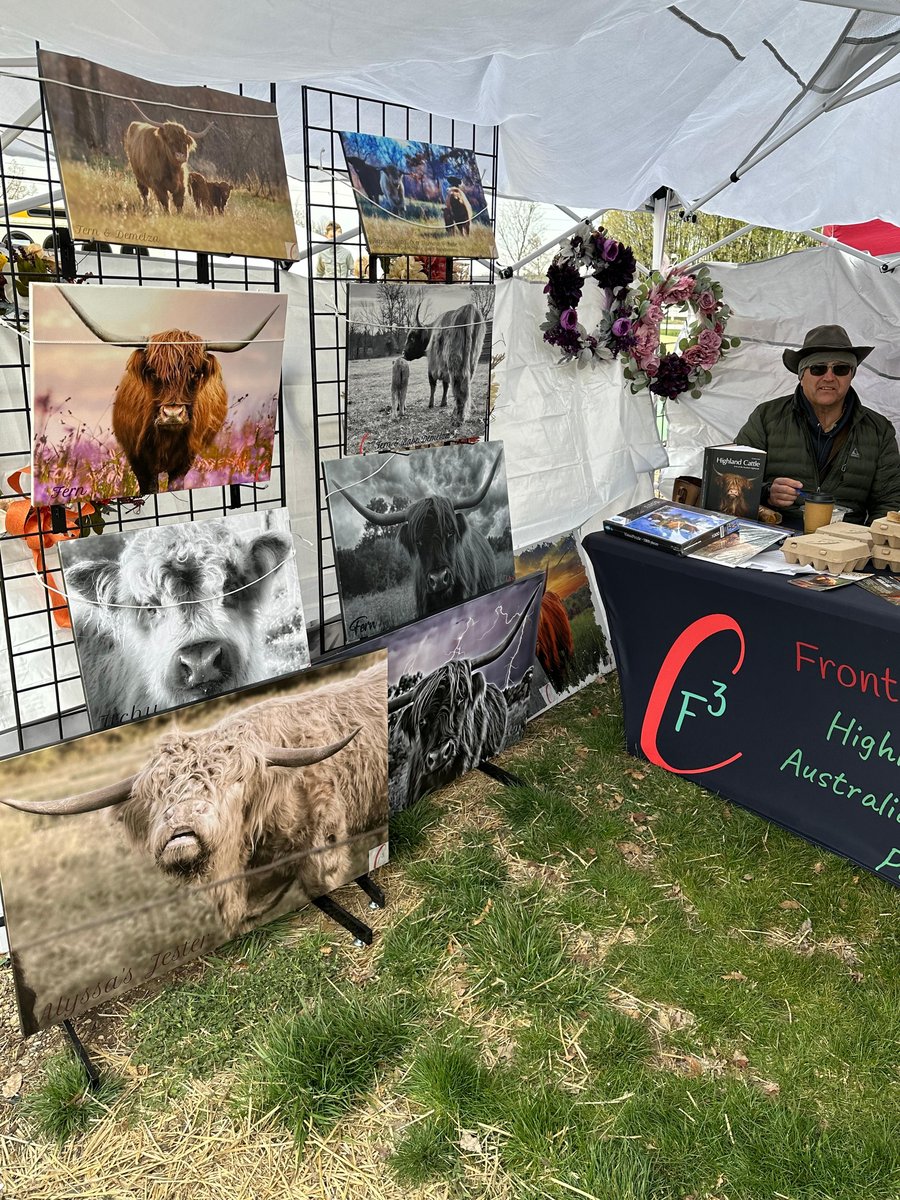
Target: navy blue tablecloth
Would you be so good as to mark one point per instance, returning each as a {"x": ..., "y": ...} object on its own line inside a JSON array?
[{"x": 783, "y": 700}]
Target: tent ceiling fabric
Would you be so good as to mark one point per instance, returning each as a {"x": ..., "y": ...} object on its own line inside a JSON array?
[{"x": 600, "y": 104}]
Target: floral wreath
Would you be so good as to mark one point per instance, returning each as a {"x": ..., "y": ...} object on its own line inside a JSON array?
[
  {"x": 631, "y": 323},
  {"x": 590, "y": 253},
  {"x": 701, "y": 346}
]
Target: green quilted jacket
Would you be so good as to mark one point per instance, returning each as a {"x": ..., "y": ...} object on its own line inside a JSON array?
[{"x": 864, "y": 475}]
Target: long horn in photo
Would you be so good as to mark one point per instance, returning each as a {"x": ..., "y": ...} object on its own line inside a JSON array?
[
  {"x": 305, "y": 756},
  {"x": 476, "y": 498},
  {"x": 105, "y": 335},
  {"x": 230, "y": 347},
  {"x": 489, "y": 656},
  {"x": 84, "y": 802},
  {"x": 376, "y": 518}
]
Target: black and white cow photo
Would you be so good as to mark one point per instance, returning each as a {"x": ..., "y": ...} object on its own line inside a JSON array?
[
  {"x": 176, "y": 613},
  {"x": 459, "y": 688},
  {"x": 418, "y": 363},
  {"x": 417, "y": 533}
]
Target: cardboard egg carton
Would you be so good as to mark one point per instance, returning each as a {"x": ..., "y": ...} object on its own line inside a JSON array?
[
  {"x": 886, "y": 556},
  {"x": 853, "y": 533},
  {"x": 825, "y": 552},
  {"x": 886, "y": 532}
]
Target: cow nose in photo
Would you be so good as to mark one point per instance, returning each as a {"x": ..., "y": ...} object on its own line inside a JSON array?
[
  {"x": 440, "y": 757},
  {"x": 202, "y": 663},
  {"x": 172, "y": 414},
  {"x": 438, "y": 580}
]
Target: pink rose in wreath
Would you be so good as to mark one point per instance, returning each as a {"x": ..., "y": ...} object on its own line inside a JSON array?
[
  {"x": 651, "y": 366},
  {"x": 679, "y": 289},
  {"x": 693, "y": 356},
  {"x": 709, "y": 341},
  {"x": 706, "y": 302}
]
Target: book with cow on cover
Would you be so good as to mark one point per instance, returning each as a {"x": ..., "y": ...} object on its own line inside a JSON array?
[
  {"x": 677, "y": 528},
  {"x": 732, "y": 480}
]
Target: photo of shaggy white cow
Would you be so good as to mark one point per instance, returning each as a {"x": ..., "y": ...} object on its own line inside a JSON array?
[{"x": 176, "y": 613}]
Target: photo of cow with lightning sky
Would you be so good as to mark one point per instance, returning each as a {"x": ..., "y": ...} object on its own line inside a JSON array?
[
  {"x": 573, "y": 634},
  {"x": 170, "y": 614},
  {"x": 459, "y": 689},
  {"x": 127, "y": 853},
  {"x": 417, "y": 533},
  {"x": 144, "y": 390},
  {"x": 151, "y": 165}
]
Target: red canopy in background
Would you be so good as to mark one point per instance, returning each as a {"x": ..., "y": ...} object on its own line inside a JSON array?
[{"x": 877, "y": 237}]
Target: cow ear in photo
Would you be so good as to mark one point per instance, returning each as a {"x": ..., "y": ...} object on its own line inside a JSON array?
[
  {"x": 267, "y": 552},
  {"x": 96, "y": 581}
]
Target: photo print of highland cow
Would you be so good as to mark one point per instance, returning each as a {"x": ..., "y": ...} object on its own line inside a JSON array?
[
  {"x": 573, "y": 637},
  {"x": 459, "y": 688},
  {"x": 186, "y": 168},
  {"x": 419, "y": 198},
  {"x": 417, "y": 533},
  {"x": 126, "y": 853},
  {"x": 418, "y": 364},
  {"x": 142, "y": 390},
  {"x": 171, "y": 614}
]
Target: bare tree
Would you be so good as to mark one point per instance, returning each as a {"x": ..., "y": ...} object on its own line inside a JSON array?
[
  {"x": 483, "y": 299},
  {"x": 396, "y": 309},
  {"x": 520, "y": 230}
]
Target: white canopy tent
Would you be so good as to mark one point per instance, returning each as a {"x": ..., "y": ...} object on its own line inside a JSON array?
[
  {"x": 619, "y": 100},
  {"x": 601, "y": 103}
]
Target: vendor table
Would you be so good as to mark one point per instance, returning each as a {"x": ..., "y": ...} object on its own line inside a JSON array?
[{"x": 784, "y": 700}]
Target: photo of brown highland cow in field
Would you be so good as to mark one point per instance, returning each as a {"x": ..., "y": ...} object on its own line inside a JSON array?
[
  {"x": 573, "y": 636},
  {"x": 124, "y": 854},
  {"x": 419, "y": 197},
  {"x": 186, "y": 168},
  {"x": 122, "y": 412}
]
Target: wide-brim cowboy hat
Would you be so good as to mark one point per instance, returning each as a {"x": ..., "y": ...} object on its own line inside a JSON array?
[{"x": 822, "y": 339}]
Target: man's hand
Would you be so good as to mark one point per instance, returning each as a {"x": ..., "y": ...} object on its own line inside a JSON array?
[{"x": 783, "y": 492}]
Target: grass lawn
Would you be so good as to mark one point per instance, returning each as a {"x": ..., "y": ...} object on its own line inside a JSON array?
[{"x": 607, "y": 984}]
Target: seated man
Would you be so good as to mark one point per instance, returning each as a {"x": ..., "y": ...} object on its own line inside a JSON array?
[{"x": 821, "y": 438}]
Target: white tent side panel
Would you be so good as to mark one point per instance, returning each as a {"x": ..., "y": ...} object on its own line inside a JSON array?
[{"x": 774, "y": 304}]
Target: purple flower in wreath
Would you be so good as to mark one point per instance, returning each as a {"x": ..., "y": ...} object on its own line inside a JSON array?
[
  {"x": 567, "y": 340},
  {"x": 672, "y": 378},
  {"x": 564, "y": 284},
  {"x": 569, "y": 319},
  {"x": 619, "y": 271},
  {"x": 611, "y": 250},
  {"x": 622, "y": 327}
]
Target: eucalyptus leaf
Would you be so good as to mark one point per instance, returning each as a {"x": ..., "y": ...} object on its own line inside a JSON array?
[
  {"x": 696, "y": 393},
  {"x": 735, "y": 341}
]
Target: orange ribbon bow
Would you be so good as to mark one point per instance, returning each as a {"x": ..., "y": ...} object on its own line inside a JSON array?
[{"x": 35, "y": 525}]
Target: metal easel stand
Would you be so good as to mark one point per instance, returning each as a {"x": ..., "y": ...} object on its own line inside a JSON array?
[
  {"x": 93, "y": 1075},
  {"x": 362, "y": 933},
  {"x": 504, "y": 777}
]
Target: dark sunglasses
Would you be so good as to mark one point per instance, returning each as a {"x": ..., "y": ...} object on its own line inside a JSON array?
[{"x": 840, "y": 369}]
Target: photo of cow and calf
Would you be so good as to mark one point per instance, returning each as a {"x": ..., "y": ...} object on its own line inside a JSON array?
[
  {"x": 126, "y": 853},
  {"x": 172, "y": 614},
  {"x": 418, "y": 197},
  {"x": 143, "y": 390},
  {"x": 417, "y": 533},
  {"x": 186, "y": 168},
  {"x": 573, "y": 635},
  {"x": 418, "y": 364},
  {"x": 460, "y": 683}
]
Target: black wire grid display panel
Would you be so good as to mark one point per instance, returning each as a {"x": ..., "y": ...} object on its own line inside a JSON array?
[
  {"x": 53, "y": 656},
  {"x": 325, "y": 115}
]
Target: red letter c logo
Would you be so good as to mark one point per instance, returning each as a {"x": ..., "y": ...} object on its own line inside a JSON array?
[{"x": 682, "y": 649}]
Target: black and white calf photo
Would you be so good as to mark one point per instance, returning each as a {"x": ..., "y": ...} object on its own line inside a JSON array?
[
  {"x": 417, "y": 533},
  {"x": 418, "y": 363},
  {"x": 176, "y": 613}
]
